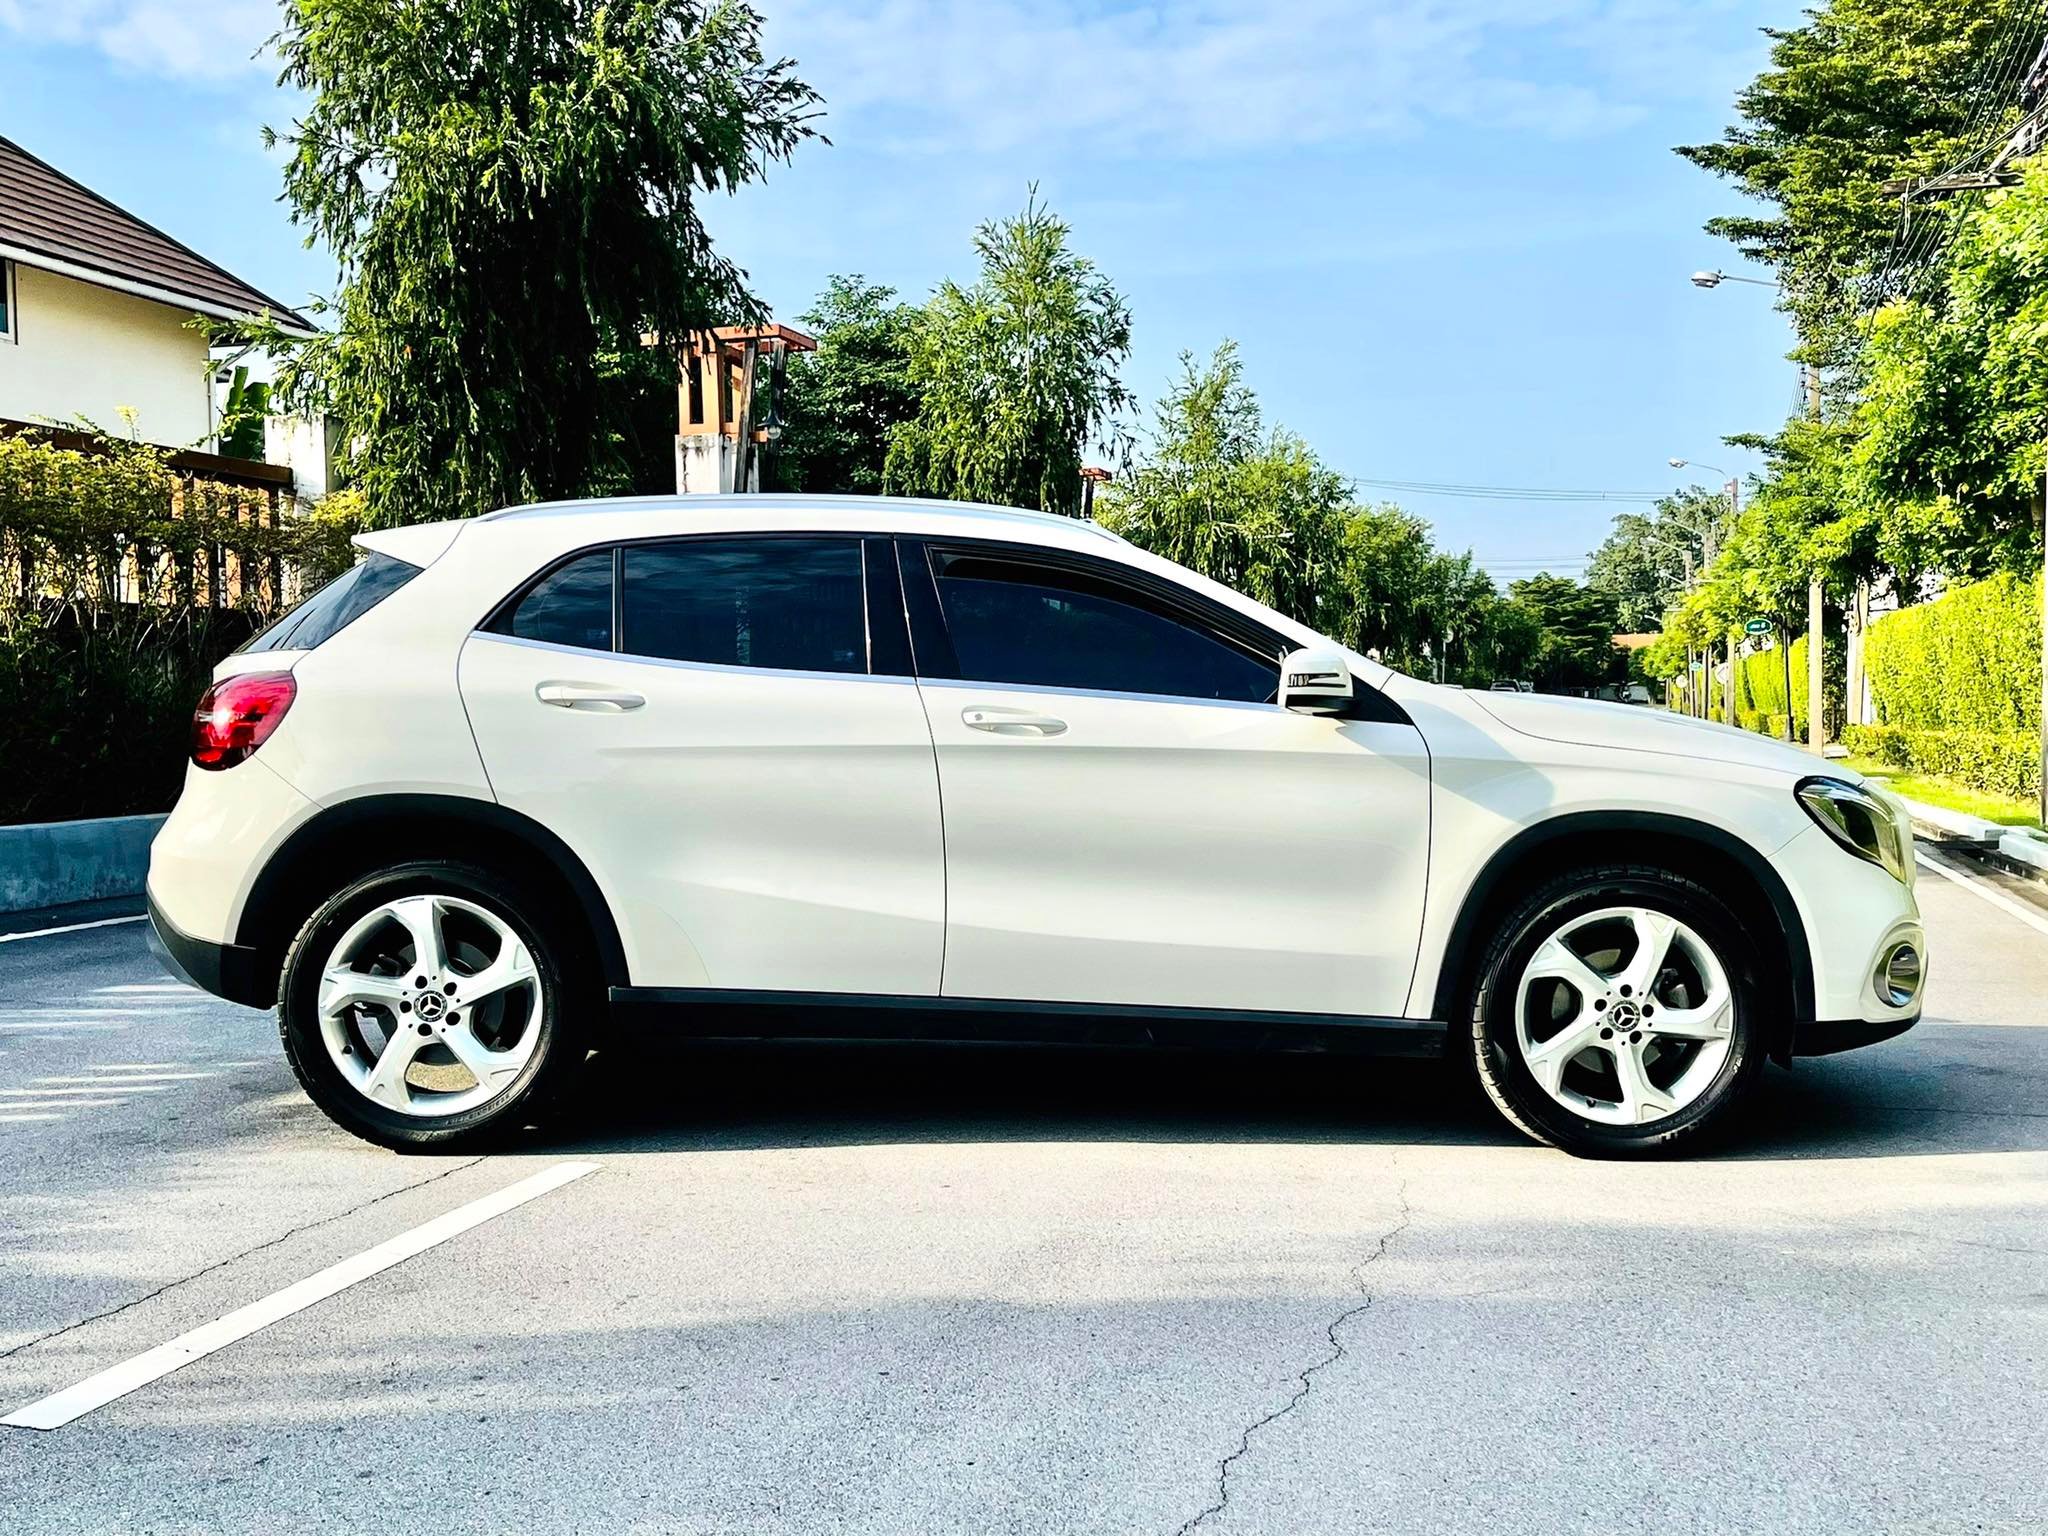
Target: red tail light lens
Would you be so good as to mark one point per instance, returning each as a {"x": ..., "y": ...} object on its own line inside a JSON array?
[{"x": 236, "y": 716}]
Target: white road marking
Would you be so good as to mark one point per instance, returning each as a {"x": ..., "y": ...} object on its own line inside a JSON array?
[
  {"x": 60, "y": 1408},
  {"x": 23, "y": 1120},
  {"x": 44, "y": 933},
  {"x": 152, "y": 1077},
  {"x": 13, "y": 1104},
  {"x": 49, "y": 1093},
  {"x": 1990, "y": 893}
]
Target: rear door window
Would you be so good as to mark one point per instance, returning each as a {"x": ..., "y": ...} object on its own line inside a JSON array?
[
  {"x": 571, "y": 605},
  {"x": 792, "y": 604},
  {"x": 337, "y": 605}
]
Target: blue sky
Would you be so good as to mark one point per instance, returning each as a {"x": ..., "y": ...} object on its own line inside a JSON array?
[{"x": 1449, "y": 236}]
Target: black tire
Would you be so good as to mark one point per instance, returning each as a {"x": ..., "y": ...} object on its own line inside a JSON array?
[
  {"x": 1498, "y": 1059},
  {"x": 564, "y": 994}
]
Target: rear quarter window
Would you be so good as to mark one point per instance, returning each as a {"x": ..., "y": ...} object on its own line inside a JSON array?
[{"x": 337, "y": 605}]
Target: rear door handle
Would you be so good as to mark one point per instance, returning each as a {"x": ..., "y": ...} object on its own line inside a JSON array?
[
  {"x": 1011, "y": 722},
  {"x": 592, "y": 697}
]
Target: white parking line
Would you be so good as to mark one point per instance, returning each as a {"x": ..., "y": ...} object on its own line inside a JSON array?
[
  {"x": 60, "y": 1408},
  {"x": 1988, "y": 892},
  {"x": 85, "y": 1093},
  {"x": 44, "y": 933}
]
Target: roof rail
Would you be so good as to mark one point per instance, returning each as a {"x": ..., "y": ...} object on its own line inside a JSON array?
[{"x": 890, "y": 503}]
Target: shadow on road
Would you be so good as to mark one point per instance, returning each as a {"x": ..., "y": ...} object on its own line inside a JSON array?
[{"x": 649, "y": 1095}]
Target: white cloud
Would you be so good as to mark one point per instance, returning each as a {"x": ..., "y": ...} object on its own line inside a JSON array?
[
  {"x": 1206, "y": 75},
  {"x": 1149, "y": 76},
  {"x": 200, "y": 40}
]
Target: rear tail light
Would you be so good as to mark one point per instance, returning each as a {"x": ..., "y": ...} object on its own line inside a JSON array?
[{"x": 236, "y": 716}]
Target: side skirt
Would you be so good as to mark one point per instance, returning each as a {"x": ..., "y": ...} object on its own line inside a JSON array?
[{"x": 716, "y": 1014}]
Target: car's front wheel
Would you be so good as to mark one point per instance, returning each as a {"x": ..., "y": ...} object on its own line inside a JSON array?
[
  {"x": 424, "y": 1005},
  {"x": 1616, "y": 1012}
]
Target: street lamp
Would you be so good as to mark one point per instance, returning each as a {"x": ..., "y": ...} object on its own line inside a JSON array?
[{"x": 1716, "y": 279}]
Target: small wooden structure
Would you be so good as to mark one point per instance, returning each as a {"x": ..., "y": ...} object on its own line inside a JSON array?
[{"x": 719, "y": 436}]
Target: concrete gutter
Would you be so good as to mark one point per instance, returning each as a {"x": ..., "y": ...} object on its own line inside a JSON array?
[{"x": 55, "y": 863}]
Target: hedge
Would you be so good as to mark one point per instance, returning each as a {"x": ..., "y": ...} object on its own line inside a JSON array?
[
  {"x": 1760, "y": 690},
  {"x": 1968, "y": 661},
  {"x": 122, "y": 582},
  {"x": 1997, "y": 762}
]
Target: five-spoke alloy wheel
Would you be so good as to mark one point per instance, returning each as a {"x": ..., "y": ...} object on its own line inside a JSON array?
[
  {"x": 1615, "y": 1012},
  {"x": 422, "y": 1004}
]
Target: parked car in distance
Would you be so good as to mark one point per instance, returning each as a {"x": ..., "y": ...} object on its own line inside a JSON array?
[{"x": 807, "y": 766}]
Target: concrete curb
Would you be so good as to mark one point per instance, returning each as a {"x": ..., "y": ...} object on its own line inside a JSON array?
[
  {"x": 56, "y": 863},
  {"x": 1971, "y": 829},
  {"x": 2025, "y": 848}
]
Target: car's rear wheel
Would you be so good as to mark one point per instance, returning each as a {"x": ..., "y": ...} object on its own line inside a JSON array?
[
  {"x": 1617, "y": 1013},
  {"x": 425, "y": 1005}
]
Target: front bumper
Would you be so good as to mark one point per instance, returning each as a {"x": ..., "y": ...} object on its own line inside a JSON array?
[
  {"x": 231, "y": 971},
  {"x": 1825, "y": 1037}
]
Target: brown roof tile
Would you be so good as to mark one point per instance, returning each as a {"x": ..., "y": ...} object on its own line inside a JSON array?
[{"x": 45, "y": 212}]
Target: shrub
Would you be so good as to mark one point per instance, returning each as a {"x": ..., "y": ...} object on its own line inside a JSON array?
[
  {"x": 1998, "y": 762},
  {"x": 122, "y": 582},
  {"x": 1968, "y": 661}
]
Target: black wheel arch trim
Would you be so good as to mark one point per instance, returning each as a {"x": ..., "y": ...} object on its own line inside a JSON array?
[
  {"x": 1467, "y": 938},
  {"x": 465, "y": 811}
]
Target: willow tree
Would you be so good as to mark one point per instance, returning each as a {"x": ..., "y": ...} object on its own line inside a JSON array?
[
  {"x": 510, "y": 188},
  {"x": 1015, "y": 374}
]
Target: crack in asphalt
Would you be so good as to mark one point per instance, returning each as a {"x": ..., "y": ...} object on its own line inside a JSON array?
[
  {"x": 282, "y": 1237},
  {"x": 1307, "y": 1376}
]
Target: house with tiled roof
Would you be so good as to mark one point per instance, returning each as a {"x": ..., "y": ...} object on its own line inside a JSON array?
[{"x": 96, "y": 308}]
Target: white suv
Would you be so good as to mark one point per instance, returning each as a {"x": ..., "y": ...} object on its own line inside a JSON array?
[{"x": 846, "y": 767}]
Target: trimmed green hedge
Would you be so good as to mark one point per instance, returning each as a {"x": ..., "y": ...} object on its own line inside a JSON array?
[
  {"x": 1997, "y": 762},
  {"x": 1760, "y": 691},
  {"x": 1968, "y": 661}
]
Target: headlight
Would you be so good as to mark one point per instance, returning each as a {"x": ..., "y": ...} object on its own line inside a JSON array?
[{"x": 1860, "y": 822}]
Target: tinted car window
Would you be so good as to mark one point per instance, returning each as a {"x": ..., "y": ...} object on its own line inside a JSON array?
[
  {"x": 793, "y": 604},
  {"x": 1012, "y": 622},
  {"x": 343, "y": 600},
  {"x": 571, "y": 605}
]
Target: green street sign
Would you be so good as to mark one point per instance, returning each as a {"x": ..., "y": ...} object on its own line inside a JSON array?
[{"x": 1758, "y": 627}]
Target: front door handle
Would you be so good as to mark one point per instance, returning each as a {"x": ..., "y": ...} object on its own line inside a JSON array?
[
  {"x": 593, "y": 697},
  {"x": 1011, "y": 722}
]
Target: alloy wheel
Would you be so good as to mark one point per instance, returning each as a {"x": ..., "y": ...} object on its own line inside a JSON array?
[
  {"x": 1625, "y": 1015},
  {"x": 430, "y": 1005}
]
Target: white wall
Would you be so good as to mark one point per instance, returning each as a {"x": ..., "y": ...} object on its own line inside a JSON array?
[{"x": 81, "y": 350}]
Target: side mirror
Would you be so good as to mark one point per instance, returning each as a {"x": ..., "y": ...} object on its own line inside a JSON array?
[{"x": 1315, "y": 682}]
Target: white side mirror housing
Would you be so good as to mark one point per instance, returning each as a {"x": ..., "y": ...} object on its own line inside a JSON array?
[{"x": 1315, "y": 682}]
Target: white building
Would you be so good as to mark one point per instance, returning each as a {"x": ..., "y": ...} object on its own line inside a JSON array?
[{"x": 95, "y": 312}]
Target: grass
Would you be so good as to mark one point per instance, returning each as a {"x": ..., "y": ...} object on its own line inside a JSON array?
[{"x": 1949, "y": 796}]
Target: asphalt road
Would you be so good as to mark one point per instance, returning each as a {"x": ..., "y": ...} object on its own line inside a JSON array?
[{"x": 842, "y": 1290}]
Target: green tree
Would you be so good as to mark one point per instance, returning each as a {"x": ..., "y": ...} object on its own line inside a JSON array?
[
  {"x": 1950, "y": 461},
  {"x": 1645, "y": 560},
  {"x": 1865, "y": 92},
  {"x": 840, "y": 403},
  {"x": 1015, "y": 374},
  {"x": 1576, "y": 648},
  {"x": 1214, "y": 491},
  {"x": 511, "y": 192}
]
